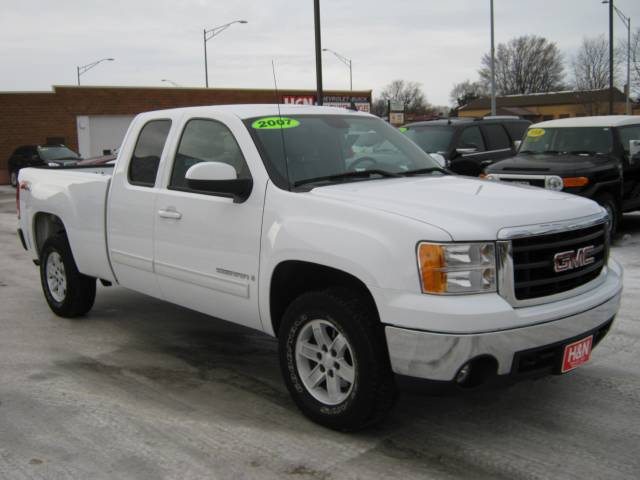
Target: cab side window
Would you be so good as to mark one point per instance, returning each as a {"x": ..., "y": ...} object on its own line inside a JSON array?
[
  {"x": 472, "y": 137},
  {"x": 497, "y": 137},
  {"x": 206, "y": 141},
  {"x": 144, "y": 163}
]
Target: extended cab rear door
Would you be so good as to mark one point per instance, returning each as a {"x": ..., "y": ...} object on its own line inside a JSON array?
[
  {"x": 206, "y": 246},
  {"x": 131, "y": 208}
]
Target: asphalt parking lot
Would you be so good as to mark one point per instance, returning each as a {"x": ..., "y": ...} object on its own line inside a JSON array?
[{"x": 144, "y": 389}]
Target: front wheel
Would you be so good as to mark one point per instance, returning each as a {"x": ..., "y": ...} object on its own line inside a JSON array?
[
  {"x": 334, "y": 359},
  {"x": 609, "y": 204},
  {"x": 68, "y": 292},
  {"x": 13, "y": 178}
]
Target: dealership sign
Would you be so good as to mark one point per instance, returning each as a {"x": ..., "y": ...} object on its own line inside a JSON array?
[
  {"x": 341, "y": 101},
  {"x": 299, "y": 99}
]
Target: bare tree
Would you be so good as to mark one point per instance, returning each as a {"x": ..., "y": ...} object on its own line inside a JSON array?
[
  {"x": 527, "y": 64},
  {"x": 410, "y": 94},
  {"x": 464, "y": 92},
  {"x": 591, "y": 64}
]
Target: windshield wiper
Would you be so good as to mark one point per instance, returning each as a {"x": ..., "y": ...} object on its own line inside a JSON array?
[
  {"x": 339, "y": 176},
  {"x": 421, "y": 171}
]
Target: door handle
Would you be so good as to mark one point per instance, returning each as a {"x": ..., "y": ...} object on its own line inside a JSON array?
[{"x": 170, "y": 214}]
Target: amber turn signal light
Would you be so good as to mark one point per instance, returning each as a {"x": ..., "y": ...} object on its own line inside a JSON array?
[
  {"x": 432, "y": 263},
  {"x": 575, "y": 181}
]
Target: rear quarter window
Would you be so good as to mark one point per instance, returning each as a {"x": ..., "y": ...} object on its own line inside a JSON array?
[{"x": 143, "y": 166}]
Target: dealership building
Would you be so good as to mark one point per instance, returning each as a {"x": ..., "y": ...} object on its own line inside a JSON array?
[{"x": 93, "y": 120}]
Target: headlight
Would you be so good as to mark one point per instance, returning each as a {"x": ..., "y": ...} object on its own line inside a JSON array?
[
  {"x": 53, "y": 164},
  {"x": 491, "y": 177},
  {"x": 454, "y": 268},
  {"x": 553, "y": 183}
]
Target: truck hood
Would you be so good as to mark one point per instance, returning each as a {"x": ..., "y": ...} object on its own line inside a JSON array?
[
  {"x": 549, "y": 164},
  {"x": 466, "y": 208}
]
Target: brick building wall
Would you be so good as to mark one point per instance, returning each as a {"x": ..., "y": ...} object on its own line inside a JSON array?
[{"x": 33, "y": 117}]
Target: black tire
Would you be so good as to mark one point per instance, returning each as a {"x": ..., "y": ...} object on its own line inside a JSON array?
[
  {"x": 373, "y": 392},
  {"x": 607, "y": 201},
  {"x": 80, "y": 292},
  {"x": 13, "y": 178}
]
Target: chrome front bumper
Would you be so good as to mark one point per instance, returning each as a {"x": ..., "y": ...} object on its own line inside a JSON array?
[{"x": 439, "y": 356}]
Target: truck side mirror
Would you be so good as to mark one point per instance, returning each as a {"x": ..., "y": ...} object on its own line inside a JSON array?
[
  {"x": 217, "y": 178},
  {"x": 634, "y": 151}
]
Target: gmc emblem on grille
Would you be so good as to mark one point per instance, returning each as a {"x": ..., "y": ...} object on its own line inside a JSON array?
[{"x": 581, "y": 257}]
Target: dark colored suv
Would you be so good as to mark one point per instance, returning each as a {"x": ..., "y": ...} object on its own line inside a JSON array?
[
  {"x": 39, "y": 155},
  {"x": 468, "y": 145},
  {"x": 594, "y": 157}
]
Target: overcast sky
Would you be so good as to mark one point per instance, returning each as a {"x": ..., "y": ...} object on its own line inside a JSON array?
[{"x": 434, "y": 42}]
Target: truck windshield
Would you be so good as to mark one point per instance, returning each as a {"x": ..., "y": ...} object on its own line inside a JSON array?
[
  {"x": 574, "y": 140},
  {"x": 433, "y": 139},
  {"x": 308, "y": 149},
  {"x": 57, "y": 152}
]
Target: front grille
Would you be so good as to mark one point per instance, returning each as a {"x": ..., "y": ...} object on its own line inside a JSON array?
[
  {"x": 536, "y": 182},
  {"x": 533, "y": 261}
]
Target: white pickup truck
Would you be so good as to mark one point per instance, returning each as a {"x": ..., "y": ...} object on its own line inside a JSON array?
[{"x": 332, "y": 231}]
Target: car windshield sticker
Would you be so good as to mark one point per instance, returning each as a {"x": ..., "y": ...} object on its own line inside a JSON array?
[
  {"x": 274, "y": 122},
  {"x": 403, "y": 129},
  {"x": 536, "y": 132}
]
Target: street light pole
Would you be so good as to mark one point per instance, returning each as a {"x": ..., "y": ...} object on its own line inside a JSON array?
[
  {"x": 80, "y": 70},
  {"x": 493, "y": 68},
  {"x": 316, "y": 23},
  {"x": 208, "y": 35},
  {"x": 206, "y": 67},
  {"x": 346, "y": 61},
  {"x": 610, "y": 57}
]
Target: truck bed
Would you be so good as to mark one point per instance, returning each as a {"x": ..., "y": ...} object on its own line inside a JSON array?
[{"x": 77, "y": 197}]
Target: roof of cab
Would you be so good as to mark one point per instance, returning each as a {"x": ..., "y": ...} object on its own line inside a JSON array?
[
  {"x": 260, "y": 109},
  {"x": 598, "y": 121}
]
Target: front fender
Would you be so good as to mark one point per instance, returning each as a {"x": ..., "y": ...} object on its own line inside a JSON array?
[{"x": 376, "y": 247}]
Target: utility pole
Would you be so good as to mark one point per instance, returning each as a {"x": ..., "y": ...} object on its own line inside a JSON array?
[
  {"x": 628, "y": 92},
  {"x": 493, "y": 67},
  {"x": 316, "y": 19}
]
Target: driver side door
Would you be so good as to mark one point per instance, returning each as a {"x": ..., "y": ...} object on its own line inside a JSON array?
[{"x": 206, "y": 246}]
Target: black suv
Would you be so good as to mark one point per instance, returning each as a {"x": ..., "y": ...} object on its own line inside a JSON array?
[
  {"x": 39, "y": 155},
  {"x": 595, "y": 157},
  {"x": 468, "y": 145}
]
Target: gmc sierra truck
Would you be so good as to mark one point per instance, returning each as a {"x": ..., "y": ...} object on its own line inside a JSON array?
[{"x": 371, "y": 268}]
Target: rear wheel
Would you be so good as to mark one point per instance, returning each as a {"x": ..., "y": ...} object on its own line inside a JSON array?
[
  {"x": 607, "y": 201},
  {"x": 334, "y": 359},
  {"x": 68, "y": 292}
]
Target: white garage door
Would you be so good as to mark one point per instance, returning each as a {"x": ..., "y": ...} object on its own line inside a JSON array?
[{"x": 101, "y": 134}]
